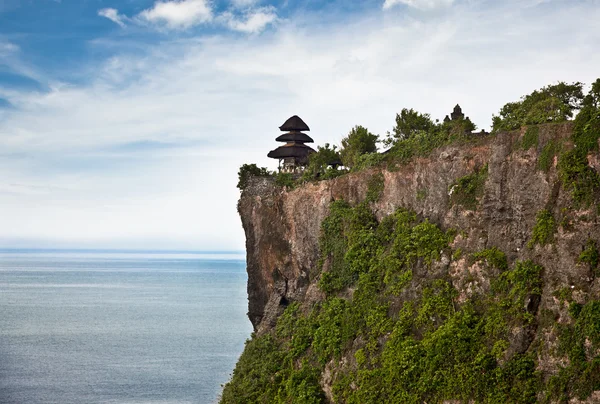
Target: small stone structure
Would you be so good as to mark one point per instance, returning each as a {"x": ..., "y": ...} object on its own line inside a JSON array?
[{"x": 457, "y": 115}]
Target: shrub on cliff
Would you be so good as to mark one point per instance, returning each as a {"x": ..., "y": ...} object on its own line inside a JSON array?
[
  {"x": 409, "y": 123},
  {"x": 319, "y": 164},
  {"x": 577, "y": 176},
  {"x": 250, "y": 170},
  {"x": 358, "y": 142}
]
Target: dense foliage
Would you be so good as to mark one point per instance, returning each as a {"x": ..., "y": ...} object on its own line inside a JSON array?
[
  {"x": 544, "y": 228},
  {"x": 358, "y": 142},
  {"x": 467, "y": 190},
  {"x": 553, "y": 103},
  {"x": 576, "y": 174},
  {"x": 250, "y": 170},
  {"x": 319, "y": 164},
  {"x": 531, "y": 137},
  {"x": 409, "y": 123},
  {"x": 403, "y": 332}
]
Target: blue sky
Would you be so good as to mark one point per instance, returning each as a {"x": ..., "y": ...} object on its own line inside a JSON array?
[{"x": 123, "y": 123}]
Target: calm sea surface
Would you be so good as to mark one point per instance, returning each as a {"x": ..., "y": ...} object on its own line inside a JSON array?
[{"x": 89, "y": 327}]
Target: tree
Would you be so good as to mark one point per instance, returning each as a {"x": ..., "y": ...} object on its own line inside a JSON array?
[
  {"x": 592, "y": 100},
  {"x": 553, "y": 103},
  {"x": 408, "y": 123},
  {"x": 319, "y": 162},
  {"x": 358, "y": 142}
]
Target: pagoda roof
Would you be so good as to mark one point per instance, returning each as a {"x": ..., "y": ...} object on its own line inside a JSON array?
[
  {"x": 295, "y": 137},
  {"x": 294, "y": 124},
  {"x": 291, "y": 150}
]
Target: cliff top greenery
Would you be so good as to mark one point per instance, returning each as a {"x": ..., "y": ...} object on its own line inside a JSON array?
[{"x": 416, "y": 134}]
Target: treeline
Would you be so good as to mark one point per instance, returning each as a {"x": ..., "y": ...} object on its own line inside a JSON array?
[{"x": 417, "y": 134}]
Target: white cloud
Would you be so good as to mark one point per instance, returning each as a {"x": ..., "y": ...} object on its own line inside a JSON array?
[
  {"x": 253, "y": 21},
  {"x": 244, "y": 3},
  {"x": 81, "y": 173},
  {"x": 183, "y": 14},
  {"x": 178, "y": 14},
  {"x": 7, "y": 48},
  {"x": 419, "y": 4},
  {"x": 113, "y": 15}
]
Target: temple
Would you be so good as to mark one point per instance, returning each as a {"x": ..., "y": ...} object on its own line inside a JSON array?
[
  {"x": 456, "y": 114},
  {"x": 293, "y": 155}
]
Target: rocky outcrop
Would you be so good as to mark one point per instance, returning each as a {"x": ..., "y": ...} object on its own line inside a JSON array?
[
  {"x": 492, "y": 193},
  {"x": 282, "y": 227}
]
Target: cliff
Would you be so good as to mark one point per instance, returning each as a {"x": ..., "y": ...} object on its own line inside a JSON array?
[{"x": 481, "y": 243}]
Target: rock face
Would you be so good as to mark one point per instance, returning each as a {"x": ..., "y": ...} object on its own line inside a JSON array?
[
  {"x": 282, "y": 227},
  {"x": 517, "y": 187}
]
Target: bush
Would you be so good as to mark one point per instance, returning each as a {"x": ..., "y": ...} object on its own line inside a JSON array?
[
  {"x": 368, "y": 160},
  {"x": 530, "y": 139},
  {"x": 590, "y": 254},
  {"x": 544, "y": 228},
  {"x": 409, "y": 123},
  {"x": 546, "y": 158},
  {"x": 250, "y": 170},
  {"x": 319, "y": 162},
  {"x": 358, "y": 142},
  {"x": 576, "y": 174},
  {"x": 493, "y": 257},
  {"x": 467, "y": 190},
  {"x": 285, "y": 180}
]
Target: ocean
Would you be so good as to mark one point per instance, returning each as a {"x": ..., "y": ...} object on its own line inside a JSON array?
[{"x": 114, "y": 327}]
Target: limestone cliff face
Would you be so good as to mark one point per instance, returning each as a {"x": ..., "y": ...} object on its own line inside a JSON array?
[{"x": 282, "y": 227}]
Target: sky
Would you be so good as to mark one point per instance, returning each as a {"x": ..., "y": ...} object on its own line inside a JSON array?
[{"x": 123, "y": 123}]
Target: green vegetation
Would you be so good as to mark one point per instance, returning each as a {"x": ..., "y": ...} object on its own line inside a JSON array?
[
  {"x": 358, "y": 142},
  {"x": 553, "y": 103},
  {"x": 392, "y": 327},
  {"x": 415, "y": 134},
  {"x": 530, "y": 139},
  {"x": 375, "y": 187},
  {"x": 250, "y": 170},
  {"x": 368, "y": 160},
  {"x": 580, "y": 342},
  {"x": 546, "y": 158},
  {"x": 285, "y": 180},
  {"x": 590, "y": 255},
  {"x": 467, "y": 190},
  {"x": 408, "y": 337},
  {"x": 319, "y": 164},
  {"x": 265, "y": 373},
  {"x": 422, "y": 143},
  {"x": 576, "y": 174},
  {"x": 409, "y": 123},
  {"x": 493, "y": 257},
  {"x": 544, "y": 228}
]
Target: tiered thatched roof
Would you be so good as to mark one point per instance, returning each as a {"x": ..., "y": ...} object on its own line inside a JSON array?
[
  {"x": 295, "y": 139},
  {"x": 294, "y": 124}
]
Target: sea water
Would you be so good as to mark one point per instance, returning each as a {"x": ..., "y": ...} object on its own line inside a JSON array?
[{"x": 107, "y": 327}]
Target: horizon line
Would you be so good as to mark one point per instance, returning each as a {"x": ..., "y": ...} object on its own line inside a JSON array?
[{"x": 116, "y": 250}]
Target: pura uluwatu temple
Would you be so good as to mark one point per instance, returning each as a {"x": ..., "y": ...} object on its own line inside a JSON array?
[{"x": 293, "y": 155}]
